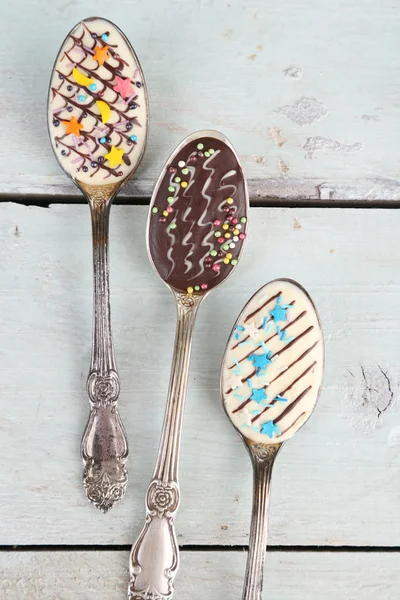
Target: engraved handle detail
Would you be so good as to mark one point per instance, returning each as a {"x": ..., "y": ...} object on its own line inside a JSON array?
[
  {"x": 263, "y": 457},
  {"x": 104, "y": 447},
  {"x": 154, "y": 558}
]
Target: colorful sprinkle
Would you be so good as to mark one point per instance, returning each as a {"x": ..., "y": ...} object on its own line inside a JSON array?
[
  {"x": 216, "y": 268},
  {"x": 229, "y": 256},
  {"x": 177, "y": 179},
  {"x": 184, "y": 184},
  {"x": 235, "y": 238},
  {"x": 243, "y": 220},
  {"x": 234, "y": 261},
  {"x": 213, "y": 253},
  {"x": 172, "y": 225},
  {"x": 103, "y": 140},
  {"x": 236, "y": 231},
  {"x": 170, "y": 199},
  {"x": 206, "y": 154},
  {"x": 226, "y": 261},
  {"x": 229, "y": 200},
  {"x": 196, "y": 288},
  {"x": 269, "y": 429},
  {"x": 227, "y": 235},
  {"x": 225, "y": 226},
  {"x": 211, "y": 151},
  {"x": 217, "y": 234},
  {"x": 185, "y": 171},
  {"x": 225, "y": 247},
  {"x": 154, "y": 209},
  {"x": 204, "y": 286},
  {"x": 133, "y": 138},
  {"x": 170, "y": 209},
  {"x": 181, "y": 163},
  {"x": 81, "y": 98},
  {"x": 104, "y": 37},
  {"x": 200, "y": 146},
  {"x": 190, "y": 290},
  {"x": 221, "y": 240},
  {"x": 92, "y": 87},
  {"x": 232, "y": 245},
  {"x": 242, "y": 236},
  {"x": 171, "y": 188},
  {"x": 165, "y": 213},
  {"x": 234, "y": 220}
]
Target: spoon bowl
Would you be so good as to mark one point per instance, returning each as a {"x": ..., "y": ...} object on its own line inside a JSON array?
[{"x": 98, "y": 121}]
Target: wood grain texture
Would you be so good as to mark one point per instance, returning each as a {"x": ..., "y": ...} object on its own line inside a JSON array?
[
  {"x": 335, "y": 483},
  {"x": 306, "y": 91},
  {"x": 217, "y": 575}
]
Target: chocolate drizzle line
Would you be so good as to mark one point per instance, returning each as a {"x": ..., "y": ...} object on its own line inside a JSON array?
[
  {"x": 292, "y": 405},
  {"x": 261, "y": 307},
  {"x": 305, "y": 353},
  {"x": 87, "y": 136},
  {"x": 286, "y": 390},
  {"x": 293, "y": 424}
]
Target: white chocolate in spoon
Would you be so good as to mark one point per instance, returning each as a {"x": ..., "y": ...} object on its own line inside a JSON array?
[
  {"x": 273, "y": 365},
  {"x": 97, "y": 109}
]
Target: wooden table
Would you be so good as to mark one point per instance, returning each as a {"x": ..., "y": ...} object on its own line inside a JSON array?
[{"x": 308, "y": 93}]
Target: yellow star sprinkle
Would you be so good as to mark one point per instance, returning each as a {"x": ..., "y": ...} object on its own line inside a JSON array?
[{"x": 114, "y": 156}]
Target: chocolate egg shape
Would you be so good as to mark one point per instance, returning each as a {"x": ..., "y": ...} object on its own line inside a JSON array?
[
  {"x": 273, "y": 364},
  {"x": 97, "y": 106},
  {"x": 198, "y": 214}
]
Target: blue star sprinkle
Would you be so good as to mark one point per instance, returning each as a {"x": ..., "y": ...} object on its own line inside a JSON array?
[
  {"x": 258, "y": 395},
  {"x": 279, "y": 312},
  {"x": 269, "y": 429},
  {"x": 260, "y": 361},
  {"x": 279, "y": 398}
]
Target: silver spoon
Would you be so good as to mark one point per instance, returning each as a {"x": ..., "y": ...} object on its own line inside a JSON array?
[
  {"x": 196, "y": 229},
  {"x": 98, "y": 120},
  {"x": 270, "y": 382}
]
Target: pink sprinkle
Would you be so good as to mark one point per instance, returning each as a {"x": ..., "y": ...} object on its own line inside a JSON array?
[
  {"x": 76, "y": 141},
  {"x": 78, "y": 49},
  {"x": 57, "y": 110},
  {"x": 234, "y": 221},
  {"x": 88, "y": 49},
  {"x": 170, "y": 209},
  {"x": 216, "y": 268},
  {"x": 217, "y": 222},
  {"x": 76, "y": 159},
  {"x": 204, "y": 286},
  {"x": 71, "y": 64},
  {"x": 221, "y": 240},
  {"x": 242, "y": 236},
  {"x": 131, "y": 97}
]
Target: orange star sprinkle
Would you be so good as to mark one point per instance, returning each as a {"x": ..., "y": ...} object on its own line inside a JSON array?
[
  {"x": 73, "y": 126},
  {"x": 101, "y": 55}
]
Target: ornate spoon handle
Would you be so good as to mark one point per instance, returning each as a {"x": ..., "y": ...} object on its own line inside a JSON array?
[
  {"x": 154, "y": 558},
  {"x": 104, "y": 445},
  {"x": 263, "y": 457}
]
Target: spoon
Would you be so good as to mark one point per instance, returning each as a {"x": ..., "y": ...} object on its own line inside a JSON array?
[
  {"x": 196, "y": 229},
  {"x": 270, "y": 382},
  {"x": 98, "y": 121}
]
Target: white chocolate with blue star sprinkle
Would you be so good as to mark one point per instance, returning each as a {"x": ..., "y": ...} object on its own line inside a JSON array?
[{"x": 273, "y": 365}]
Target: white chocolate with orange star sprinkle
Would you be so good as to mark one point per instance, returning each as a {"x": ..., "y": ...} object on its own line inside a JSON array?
[
  {"x": 97, "y": 114},
  {"x": 271, "y": 379}
]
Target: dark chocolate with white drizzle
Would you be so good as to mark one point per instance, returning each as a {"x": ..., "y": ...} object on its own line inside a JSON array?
[{"x": 198, "y": 218}]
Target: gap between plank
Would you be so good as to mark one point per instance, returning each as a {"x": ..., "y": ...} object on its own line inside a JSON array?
[
  {"x": 197, "y": 548},
  {"x": 47, "y": 201}
]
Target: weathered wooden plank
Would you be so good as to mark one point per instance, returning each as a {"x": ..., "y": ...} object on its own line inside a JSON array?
[
  {"x": 335, "y": 483},
  {"x": 217, "y": 575},
  {"x": 311, "y": 117}
]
